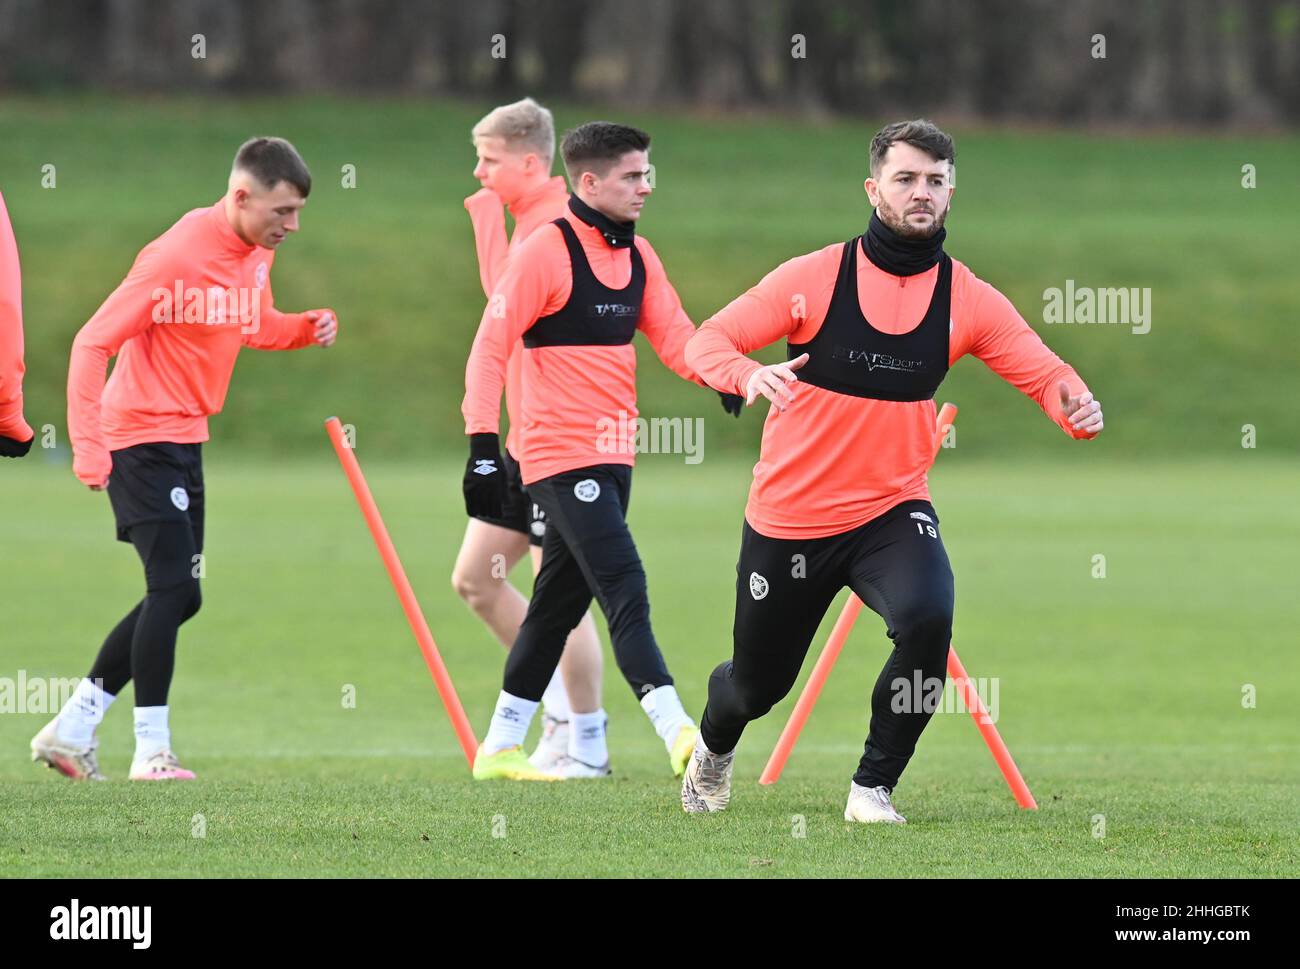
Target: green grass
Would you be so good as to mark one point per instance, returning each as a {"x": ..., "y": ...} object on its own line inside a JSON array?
[
  {"x": 1118, "y": 696},
  {"x": 735, "y": 197}
]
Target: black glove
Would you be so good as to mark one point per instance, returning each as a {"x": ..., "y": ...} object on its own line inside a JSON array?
[
  {"x": 732, "y": 403},
  {"x": 485, "y": 477},
  {"x": 10, "y": 448}
]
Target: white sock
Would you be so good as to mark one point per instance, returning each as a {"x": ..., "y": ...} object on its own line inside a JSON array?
[
  {"x": 82, "y": 713},
  {"x": 555, "y": 701},
  {"x": 510, "y": 722},
  {"x": 587, "y": 738},
  {"x": 664, "y": 708},
  {"x": 151, "y": 732}
]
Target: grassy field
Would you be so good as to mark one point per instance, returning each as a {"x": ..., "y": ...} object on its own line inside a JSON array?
[
  {"x": 1119, "y": 697},
  {"x": 735, "y": 197}
]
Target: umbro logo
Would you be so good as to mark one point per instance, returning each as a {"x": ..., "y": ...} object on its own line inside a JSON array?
[{"x": 485, "y": 466}]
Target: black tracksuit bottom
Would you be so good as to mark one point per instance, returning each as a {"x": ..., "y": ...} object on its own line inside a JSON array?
[
  {"x": 587, "y": 551},
  {"x": 897, "y": 565}
]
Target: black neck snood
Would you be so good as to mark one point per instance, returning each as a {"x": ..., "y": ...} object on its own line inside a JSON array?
[
  {"x": 620, "y": 235},
  {"x": 900, "y": 256}
]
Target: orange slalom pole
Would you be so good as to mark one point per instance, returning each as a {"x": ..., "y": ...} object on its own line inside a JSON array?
[
  {"x": 405, "y": 594},
  {"x": 990, "y": 733},
  {"x": 831, "y": 651}
]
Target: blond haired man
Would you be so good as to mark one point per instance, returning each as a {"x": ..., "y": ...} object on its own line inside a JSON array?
[{"x": 515, "y": 144}]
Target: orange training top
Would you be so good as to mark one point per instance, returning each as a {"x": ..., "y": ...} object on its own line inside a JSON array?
[
  {"x": 578, "y": 403},
  {"x": 535, "y": 209},
  {"x": 11, "y": 335},
  {"x": 832, "y": 462},
  {"x": 193, "y": 297}
]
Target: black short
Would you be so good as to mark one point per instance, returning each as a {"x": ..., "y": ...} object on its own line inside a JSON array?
[
  {"x": 518, "y": 512},
  {"x": 157, "y": 483}
]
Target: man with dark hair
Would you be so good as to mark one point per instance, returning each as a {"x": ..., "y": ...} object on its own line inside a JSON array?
[
  {"x": 872, "y": 326},
  {"x": 271, "y": 161},
  {"x": 576, "y": 292},
  {"x": 193, "y": 297},
  {"x": 16, "y": 435},
  {"x": 592, "y": 145}
]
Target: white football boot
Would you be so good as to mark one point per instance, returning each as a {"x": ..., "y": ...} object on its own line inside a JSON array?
[
  {"x": 553, "y": 745},
  {"x": 869, "y": 804},
  {"x": 570, "y": 768},
  {"x": 706, "y": 783},
  {"x": 161, "y": 765},
  {"x": 70, "y": 760}
]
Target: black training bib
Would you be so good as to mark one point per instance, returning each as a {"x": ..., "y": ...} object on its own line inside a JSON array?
[
  {"x": 594, "y": 315},
  {"x": 850, "y": 356}
]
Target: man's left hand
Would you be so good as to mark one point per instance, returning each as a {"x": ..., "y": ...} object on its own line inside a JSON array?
[
  {"x": 327, "y": 326},
  {"x": 1082, "y": 410}
]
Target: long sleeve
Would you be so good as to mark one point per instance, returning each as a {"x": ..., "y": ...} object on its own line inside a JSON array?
[
  {"x": 488, "y": 217},
  {"x": 12, "y": 424},
  {"x": 1008, "y": 346},
  {"x": 778, "y": 305},
  {"x": 274, "y": 330},
  {"x": 126, "y": 313},
  {"x": 663, "y": 320},
  {"x": 520, "y": 297}
]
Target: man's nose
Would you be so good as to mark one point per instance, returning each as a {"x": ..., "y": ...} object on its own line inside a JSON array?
[{"x": 291, "y": 225}]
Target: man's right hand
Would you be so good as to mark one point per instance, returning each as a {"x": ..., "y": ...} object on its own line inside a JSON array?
[
  {"x": 771, "y": 382},
  {"x": 483, "y": 197},
  {"x": 485, "y": 477},
  {"x": 93, "y": 472}
]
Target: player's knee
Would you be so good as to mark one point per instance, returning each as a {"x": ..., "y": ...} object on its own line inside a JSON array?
[
  {"x": 181, "y": 599},
  {"x": 747, "y": 699},
  {"x": 755, "y": 700},
  {"x": 195, "y": 601},
  {"x": 619, "y": 576},
  {"x": 926, "y": 622},
  {"x": 479, "y": 590}
]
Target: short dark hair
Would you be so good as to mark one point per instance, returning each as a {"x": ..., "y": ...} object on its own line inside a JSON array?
[
  {"x": 918, "y": 133},
  {"x": 272, "y": 161},
  {"x": 597, "y": 145}
]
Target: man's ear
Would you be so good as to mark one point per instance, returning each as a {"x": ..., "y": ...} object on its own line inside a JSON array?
[{"x": 872, "y": 190}]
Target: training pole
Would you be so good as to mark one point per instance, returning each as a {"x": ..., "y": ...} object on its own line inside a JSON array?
[
  {"x": 405, "y": 594},
  {"x": 990, "y": 733}
]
